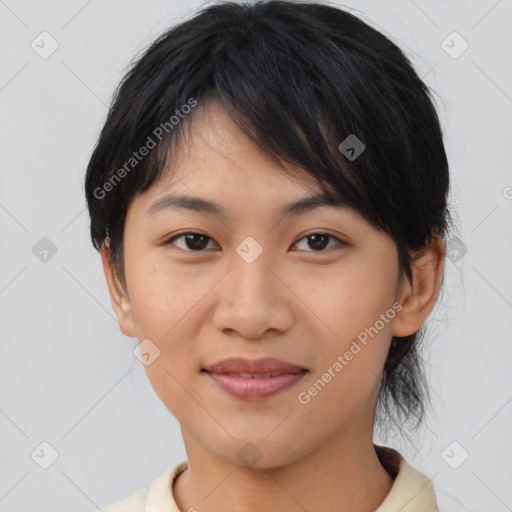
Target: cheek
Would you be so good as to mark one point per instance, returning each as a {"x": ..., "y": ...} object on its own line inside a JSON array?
[
  {"x": 163, "y": 297},
  {"x": 346, "y": 300},
  {"x": 353, "y": 321},
  {"x": 165, "y": 310},
  {"x": 351, "y": 352}
]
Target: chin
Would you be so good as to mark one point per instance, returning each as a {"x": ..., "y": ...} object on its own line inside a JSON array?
[{"x": 259, "y": 451}]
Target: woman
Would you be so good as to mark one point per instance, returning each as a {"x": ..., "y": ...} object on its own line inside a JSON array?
[{"x": 269, "y": 196}]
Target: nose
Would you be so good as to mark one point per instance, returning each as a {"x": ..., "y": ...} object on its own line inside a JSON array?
[{"x": 254, "y": 301}]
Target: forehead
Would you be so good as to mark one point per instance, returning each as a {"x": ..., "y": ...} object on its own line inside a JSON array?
[
  {"x": 215, "y": 145},
  {"x": 214, "y": 156},
  {"x": 217, "y": 170}
]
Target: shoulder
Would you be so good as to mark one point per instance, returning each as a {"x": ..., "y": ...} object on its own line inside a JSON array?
[
  {"x": 151, "y": 497},
  {"x": 412, "y": 490}
]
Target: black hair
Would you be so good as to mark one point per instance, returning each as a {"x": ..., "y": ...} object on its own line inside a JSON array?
[{"x": 305, "y": 81}]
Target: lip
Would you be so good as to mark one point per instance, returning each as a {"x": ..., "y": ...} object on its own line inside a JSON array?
[
  {"x": 258, "y": 366},
  {"x": 254, "y": 388}
]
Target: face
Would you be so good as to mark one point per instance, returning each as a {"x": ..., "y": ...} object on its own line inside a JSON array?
[{"x": 251, "y": 282}]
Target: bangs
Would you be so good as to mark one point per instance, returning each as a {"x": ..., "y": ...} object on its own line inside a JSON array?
[{"x": 332, "y": 96}]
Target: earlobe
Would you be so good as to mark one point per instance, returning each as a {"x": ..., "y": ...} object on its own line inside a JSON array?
[
  {"x": 419, "y": 296},
  {"x": 118, "y": 295}
]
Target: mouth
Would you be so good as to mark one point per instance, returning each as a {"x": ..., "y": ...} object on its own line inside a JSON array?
[
  {"x": 264, "y": 367},
  {"x": 255, "y": 386},
  {"x": 254, "y": 375}
]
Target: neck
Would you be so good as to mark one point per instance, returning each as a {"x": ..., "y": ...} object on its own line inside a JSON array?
[{"x": 340, "y": 475}]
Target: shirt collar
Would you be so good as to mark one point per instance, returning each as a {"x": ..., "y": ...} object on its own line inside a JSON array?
[{"x": 412, "y": 491}]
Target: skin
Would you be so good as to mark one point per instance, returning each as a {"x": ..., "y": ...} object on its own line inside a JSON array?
[{"x": 293, "y": 302}]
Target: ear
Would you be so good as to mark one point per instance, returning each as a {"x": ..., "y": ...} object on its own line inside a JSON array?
[
  {"x": 118, "y": 295},
  {"x": 418, "y": 298}
]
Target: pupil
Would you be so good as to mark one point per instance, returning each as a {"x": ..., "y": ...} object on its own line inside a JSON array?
[
  {"x": 193, "y": 239},
  {"x": 315, "y": 239}
]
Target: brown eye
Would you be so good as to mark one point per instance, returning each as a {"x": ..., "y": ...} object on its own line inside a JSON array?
[
  {"x": 319, "y": 241},
  {"x": 193, "y": 242}
]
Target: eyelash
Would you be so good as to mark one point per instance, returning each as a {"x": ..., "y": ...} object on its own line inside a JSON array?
[{"x": 182, "y": 235}]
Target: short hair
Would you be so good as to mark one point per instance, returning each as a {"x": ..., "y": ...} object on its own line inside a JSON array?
[{"x": 298, "y": 78}]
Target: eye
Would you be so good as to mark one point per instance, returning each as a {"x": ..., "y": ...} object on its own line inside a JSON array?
[
  {"x": 197, "y": 242},
  {"x": 192, "y": 242},
  {"x": 319, "y": 241}
]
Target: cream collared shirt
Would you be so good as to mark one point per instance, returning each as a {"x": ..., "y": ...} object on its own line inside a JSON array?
[{"x": 412, "y": 491}]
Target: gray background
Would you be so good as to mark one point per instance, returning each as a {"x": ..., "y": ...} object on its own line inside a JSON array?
[{"x": 68, "y": 376}]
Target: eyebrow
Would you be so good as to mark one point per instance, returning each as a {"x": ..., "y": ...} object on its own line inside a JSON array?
[{"x": 197, "y": 204}]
